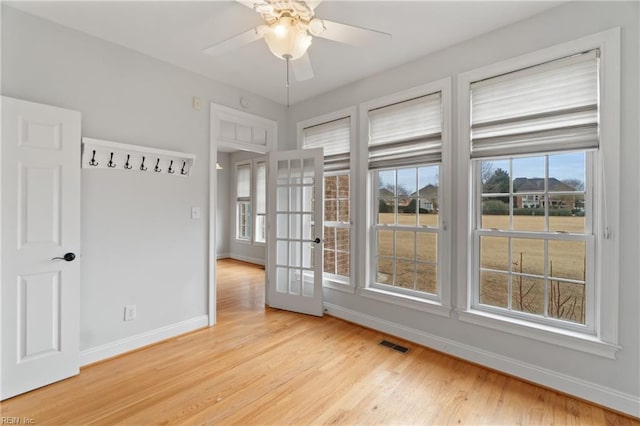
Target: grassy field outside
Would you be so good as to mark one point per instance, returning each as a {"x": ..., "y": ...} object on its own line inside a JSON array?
[{"x": 565, "y": 261}]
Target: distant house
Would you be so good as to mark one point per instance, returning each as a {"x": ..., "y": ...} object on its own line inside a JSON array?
[
  {"x": 533, "y": 185},
  {"x": 427, "y": 198},
  {"x": 389, "y": 199}
]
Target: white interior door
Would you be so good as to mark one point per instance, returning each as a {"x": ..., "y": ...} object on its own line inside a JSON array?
[
  {"x": 40, "y": 296},
  {"x": 295, "y": 206}
]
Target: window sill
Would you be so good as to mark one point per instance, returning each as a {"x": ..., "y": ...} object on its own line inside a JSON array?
[
  {"x": 345, "y": 287},
  {"x": 241, "y": 241},
  {"x": 411, "y": 302},
  {"x": 552, "y": 335}
]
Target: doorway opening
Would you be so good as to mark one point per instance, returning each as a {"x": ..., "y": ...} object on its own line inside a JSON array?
[{"x": 239, "y": 141}]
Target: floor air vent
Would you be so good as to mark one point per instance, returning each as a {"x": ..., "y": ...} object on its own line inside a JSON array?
[{"x": 393, "y": 346}]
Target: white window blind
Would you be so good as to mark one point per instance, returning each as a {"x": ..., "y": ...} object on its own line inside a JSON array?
[
  {"x": 261, "y": 188},
  {"x": 406, "y": 133},
  {"x": 335, "y": 137},
  {"x": 243, "y": 176},
  {"x": 544, "y": 108}
]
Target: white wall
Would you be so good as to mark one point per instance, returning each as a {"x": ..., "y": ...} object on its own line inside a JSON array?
[
  {"x": 139, "y": 245},
  {"x": 241, "y": 250},
  {"x": 222, "y": 206},
  {"x": 610, "y": 382}
]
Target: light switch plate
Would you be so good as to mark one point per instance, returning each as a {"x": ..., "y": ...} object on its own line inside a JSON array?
[{"x": 195, "y": 212}]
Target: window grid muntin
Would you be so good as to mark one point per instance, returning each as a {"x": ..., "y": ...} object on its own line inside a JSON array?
[
  {"x": 396, "y": 227},
  {"x": 260, "y": 217},
  {"x": 587, "y": 237},
  {"x": 243, "y": 229},
  {"x": 244, "y": 202},
  {"x": 338, "y": 224}
]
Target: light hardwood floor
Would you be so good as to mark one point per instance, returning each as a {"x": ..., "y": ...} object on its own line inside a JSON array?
[{"x": 264, "y": 366}]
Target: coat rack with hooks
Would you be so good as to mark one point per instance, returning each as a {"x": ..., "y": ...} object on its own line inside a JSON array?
[{"x": 101, "y": 154}]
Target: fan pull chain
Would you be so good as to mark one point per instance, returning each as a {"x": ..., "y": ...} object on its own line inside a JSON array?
[{"x": 287, "y": 57}]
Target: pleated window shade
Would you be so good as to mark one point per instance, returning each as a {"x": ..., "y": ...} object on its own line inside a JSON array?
[
  {"x": 243, "y": 176},
  {"x": 261, "y": 188},
  {"x": 407, "y": 132},
  {"x": 543, "y": 108},
  {"x": 335, "y": 137}
]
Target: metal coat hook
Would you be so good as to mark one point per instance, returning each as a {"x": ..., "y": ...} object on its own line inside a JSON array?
[
  {"x": 127, "y": 165},
  {"x": 111, "y": 163},
  {"x": 156, "y": 168},
  {"x": 142, "y": 167},
  {"x": 170, "y": 169},
  {"x": 183, "y": 171},
  {"x": 93, "y": 161}
]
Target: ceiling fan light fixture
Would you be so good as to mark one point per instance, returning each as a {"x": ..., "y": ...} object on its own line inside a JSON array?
[
  {"x": 288, "y": 38},
  {"x": 280, "y": 30}
]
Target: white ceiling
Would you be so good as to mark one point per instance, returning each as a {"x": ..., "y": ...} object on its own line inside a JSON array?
[{"x": 176, "y": 32}]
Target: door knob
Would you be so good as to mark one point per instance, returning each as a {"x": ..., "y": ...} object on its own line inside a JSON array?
[
  {"x": 67, "y": 256},
  {"x": 317, "y": 240}
]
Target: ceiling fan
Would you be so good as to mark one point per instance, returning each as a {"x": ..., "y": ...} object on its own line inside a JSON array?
[{"x": 288, "y": 29}]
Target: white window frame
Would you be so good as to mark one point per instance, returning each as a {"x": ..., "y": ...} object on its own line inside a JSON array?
[
  {"x": 441, "y": 304},
  {"x": 254, "y": 193},
  {"x": 335, "y": 278},
  {"x": 243, "y": 200},
  {"x": 586, "y": 237},
  {"x": 415, "y": 228},
  {"x": 603, "y": 341},
  {"x": 339, "y": 282}
]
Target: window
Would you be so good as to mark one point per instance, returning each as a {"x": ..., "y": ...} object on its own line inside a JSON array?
[
  {"x": 261, "y": 201},
  {"x": 405, "y": 157},
  {"x": 334, "y": 136},
  {"x": 540, "y": 137},
  {"x": 337, "y": 226},
  {"x": 407, "y": 227},
  {"x": 534, "y": 234},
  {"x": 243, "y": 202}
]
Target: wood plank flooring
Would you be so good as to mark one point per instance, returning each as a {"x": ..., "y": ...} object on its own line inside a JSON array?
[{"x": 264, "y": 366}]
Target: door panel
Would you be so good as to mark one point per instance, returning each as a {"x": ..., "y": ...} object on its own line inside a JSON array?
[
  {"x": 295, "y": 251},
  {"x": 38, "y": 315},
  {"x": 40, "y": 296},
  {"x": 39, "y": 195}
]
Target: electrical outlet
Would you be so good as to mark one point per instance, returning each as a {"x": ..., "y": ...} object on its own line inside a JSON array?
[{"x": 130, "y": 312}]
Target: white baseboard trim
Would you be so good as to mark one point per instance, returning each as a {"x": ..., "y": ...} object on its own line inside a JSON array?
[
  {"x": 247, "y": 259},
  {"x": 222, "y": 255},
  {"x": 108, "y": 350},
  {"x": 611, "y": 398}
]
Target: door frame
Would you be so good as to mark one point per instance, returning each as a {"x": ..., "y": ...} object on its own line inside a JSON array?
[{"x": 217, "y": 114}]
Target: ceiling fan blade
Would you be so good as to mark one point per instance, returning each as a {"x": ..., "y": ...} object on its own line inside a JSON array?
[
  {"x": 349, "y": 34},
  {"x": 302, "y": 68},
  {"x": 313, "y": 3},
  {"x": 262, "y": 7},
  {"x": 234, "y": 42},
  {"x": 251, "y": 4}
]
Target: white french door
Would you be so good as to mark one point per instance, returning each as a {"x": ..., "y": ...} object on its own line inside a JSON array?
[
  {"x": 295, "y": 217},
  {"x": 40, "y": 289}
]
